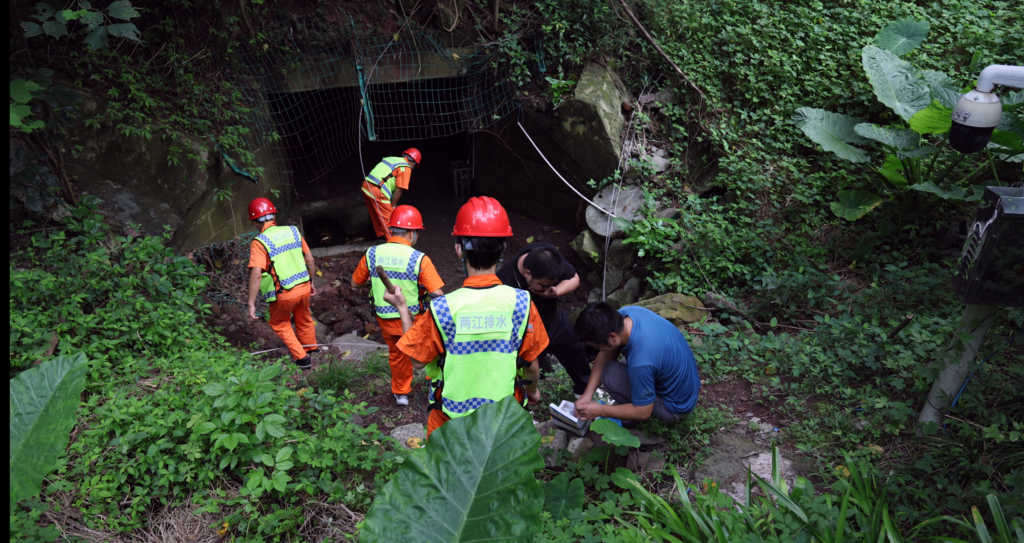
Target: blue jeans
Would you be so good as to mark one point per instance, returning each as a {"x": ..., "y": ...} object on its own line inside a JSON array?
[{"x": 615, "y": 380}]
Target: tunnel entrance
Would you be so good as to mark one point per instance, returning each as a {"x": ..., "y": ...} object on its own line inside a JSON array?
[{"x": 324, "y": 232}]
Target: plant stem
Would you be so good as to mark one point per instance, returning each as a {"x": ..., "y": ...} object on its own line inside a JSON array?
[
  {"x": 956, "y": 162},
  {"x": 993, "y": 164},
  {"x": 931, "y": 165}
]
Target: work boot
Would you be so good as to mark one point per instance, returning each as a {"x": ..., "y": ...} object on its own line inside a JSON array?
[
  {"x": 401, "y": 399},
  {"x": 304, "y": 363}
]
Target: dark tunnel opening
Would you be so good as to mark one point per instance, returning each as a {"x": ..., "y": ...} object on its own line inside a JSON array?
[
  {"x": 317, "y": 127},
  {"x": 324, "y": 232}
]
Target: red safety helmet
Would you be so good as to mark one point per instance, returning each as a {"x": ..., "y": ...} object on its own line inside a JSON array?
[
  {"x": 406, "y": 217},
  {"x": 414, "y": 154},
  {"x": 260, "y": 207},
  {"x": 482, "y": 216}
]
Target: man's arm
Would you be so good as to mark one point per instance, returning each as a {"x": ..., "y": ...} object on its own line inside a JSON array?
[
  {"x": 311, "y": 268},
  {"x": 398, "y": 302},
  {"x": 567, "y": 286},
  {"x": 626, "y": 411},
  {"x": 255, "y": 275},
  {"x": 395, "y": 196},
  {"x": 532, "y": 374}
]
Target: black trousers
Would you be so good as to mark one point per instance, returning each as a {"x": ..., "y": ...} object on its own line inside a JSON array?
[{"x": 570, "y": 352}]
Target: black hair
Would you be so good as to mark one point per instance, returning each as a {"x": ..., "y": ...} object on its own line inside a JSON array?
[
  {"x": 482, "y": 253},
  {"x": 545, "y": 263},
  {"x": 596, "y": 322}
]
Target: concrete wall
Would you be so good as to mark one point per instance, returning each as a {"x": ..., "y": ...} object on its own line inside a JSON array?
[{"x": 510, "y": 169}]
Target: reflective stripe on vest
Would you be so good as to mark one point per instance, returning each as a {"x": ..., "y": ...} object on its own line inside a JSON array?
[
  {"x": 284, "y": 246},
  {"x": 394, "y": 257},
  {"x": 383, "y": 173},
  {"x": 480, "y": 371}
]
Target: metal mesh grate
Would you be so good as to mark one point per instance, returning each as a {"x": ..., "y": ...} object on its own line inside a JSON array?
[{"x": 408, "y": 86}]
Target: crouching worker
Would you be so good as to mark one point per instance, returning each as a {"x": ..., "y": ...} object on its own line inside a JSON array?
[
  {"x": 659, "y": 376},
  {"x": 281, "y": 268},
  {"x": 406, "y": 268},
  {"x": 470, "y": 345}
]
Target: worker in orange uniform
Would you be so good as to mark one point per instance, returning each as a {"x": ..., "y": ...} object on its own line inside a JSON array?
[
  {"x": 406, "y": 268},
  {"x": 384, "y": 185},
  {"x": 281, "y": 274},
  {"x": 482, "y": 341}
]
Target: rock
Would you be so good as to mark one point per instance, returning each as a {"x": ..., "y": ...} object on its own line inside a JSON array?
[
  {"x": 621, "y": 297},
  {"x": 264, "y": 331},
  {"x": 234, "y": 312},
  {"x": 579, "y": 447},
  {"x": 677, "y": 308},
  {"x": 713, "y": 300},
  {"x": 370, "y": 328},
  {"x": 594, "y": 296},
  {"x": 365, "y": 313},
  {"x": 214, "y": 308},
  {"x": 594, "y": 279},
  {"x": 659, "y": 99},
  {"x": 691, "y": 339},
  {"x": 357, "y": 420},
  {"x": 403, "y": 433},
  {"x": 627, "y": 203},
  {"x": 668, "y": 213},
  {"x": 356, "y": 346},
  {"x": 343, "y": 327},
  {"x": 331, "y": 316},
  {"x": 380, "y": 383},
  {"x": 589, "y": 125},
  {"x": 641, "y": 461},
  {"x": 448, "y": 14},
  {"x": 620, "y": 263},
  {"x": 321, "y": 332},
  {"x": 587, "y": 247},
  {"x": 765, "y": 427},
  {"x": 659, "y": 160},
  {"x": 549, "y": 451},
  {"x": 644, "y": 440},
  {"x": 633, "y": 285},
  {"x": 320, "y": 282},
  {"x": 755, "y": 420}
]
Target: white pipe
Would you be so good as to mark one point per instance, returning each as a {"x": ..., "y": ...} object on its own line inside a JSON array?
[
  {"x": 603, "y": 210},
  {"x": 1000, "y": 74},
  {"x": 975, "y": 322}
]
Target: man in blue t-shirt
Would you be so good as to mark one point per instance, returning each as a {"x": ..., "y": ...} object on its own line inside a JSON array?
[{"x": 659, "y": 376}]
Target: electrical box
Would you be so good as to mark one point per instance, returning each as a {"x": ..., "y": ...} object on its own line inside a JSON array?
[{"x": 991, "y": 268}]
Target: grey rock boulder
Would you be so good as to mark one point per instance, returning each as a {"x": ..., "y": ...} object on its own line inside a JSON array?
[{"x": 403, "y": 433}]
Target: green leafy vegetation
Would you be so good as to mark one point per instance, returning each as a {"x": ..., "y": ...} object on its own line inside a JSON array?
[
  {"x": 43, "y": 401},
  {"x": 816, "y": 256}
]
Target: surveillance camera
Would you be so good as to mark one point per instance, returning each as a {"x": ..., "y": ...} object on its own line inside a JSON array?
[
  {"x": 974, "y": 118},
  {"x": 978, "y": 112}
]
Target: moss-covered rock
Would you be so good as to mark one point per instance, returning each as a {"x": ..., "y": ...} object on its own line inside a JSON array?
[
  {"x": 677, "y": 308},
  {"x": 590, "y": 123}
]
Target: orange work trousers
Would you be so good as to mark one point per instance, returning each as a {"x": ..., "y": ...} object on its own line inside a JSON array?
[
  {"x": 281, "y": 312},
  {"x": 380, "y": 212},
  {"x": 401, "y": 364}
]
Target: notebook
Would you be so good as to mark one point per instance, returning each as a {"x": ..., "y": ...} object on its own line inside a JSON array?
[{"x": 564, "y": 415}]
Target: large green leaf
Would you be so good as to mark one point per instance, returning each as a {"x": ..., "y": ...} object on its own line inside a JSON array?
[
  {"x": 472, "y": 482},
  {"x": 934, "y": 119},
  {"x": 892, "y": 171},
  {"x": 834, "y": 132},
  {"x": 943, "y": 88},
  {"x": 613, "y": 434},
  {"x": 901, "y": 36},
  {"x": 43, "y": 401},
  {"x": 897, "y": 138},
  {"x": 896, "y": 82},
  {"x": 954, "y": 193},
  {"x": 854, "y": 204},
  {"x": 562, "y": 496}
]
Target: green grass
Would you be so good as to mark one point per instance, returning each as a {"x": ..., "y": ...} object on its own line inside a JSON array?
[{"x": 336, "y": 374}]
